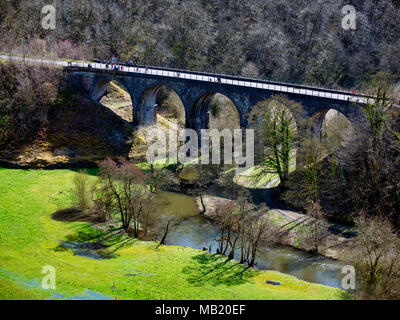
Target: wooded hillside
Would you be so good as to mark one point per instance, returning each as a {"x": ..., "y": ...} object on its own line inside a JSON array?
[{"x": 296, "y": 41}]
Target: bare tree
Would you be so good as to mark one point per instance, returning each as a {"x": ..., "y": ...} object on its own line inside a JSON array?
[
  {"x": 81, "y": 190},
  {"x": 162, "y": 227},
  {"x": 160, "y": 178},
  {"x": 375, "y": 255},
  {"x": 242, "y": 228},
  {"x": 103, "y": 202},
  {"x": 126, "y": 181},
  {"x": 226, "y": 222},
  {"x": 315, "y": 229},
  {"x": 371, "y": 163},
  {"x": 27, "y": 94}
]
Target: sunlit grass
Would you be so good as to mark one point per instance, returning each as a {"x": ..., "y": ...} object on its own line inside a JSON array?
[
  {"x": 30, "y": 239},
  {"x": 251, "y": 177}
]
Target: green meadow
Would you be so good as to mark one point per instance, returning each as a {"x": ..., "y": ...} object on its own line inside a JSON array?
[{"x": 30, "y": 239}]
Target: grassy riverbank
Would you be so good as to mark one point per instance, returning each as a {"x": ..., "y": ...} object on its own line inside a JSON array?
[{"x": 30, "y": 238}]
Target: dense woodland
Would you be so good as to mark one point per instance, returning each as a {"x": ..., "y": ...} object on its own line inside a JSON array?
[
  {"x": 294, "y": 41},
  {"x": 356, "y": 182}
]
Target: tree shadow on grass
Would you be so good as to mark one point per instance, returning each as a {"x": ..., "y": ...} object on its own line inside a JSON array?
[
  {"x": 217, "y": 270},
  {"x": 71, "y": 215},
  {"x": 96, "y": 243},
  {"x": 89, "y": 171},
  {"x": 85, "y": 233}
]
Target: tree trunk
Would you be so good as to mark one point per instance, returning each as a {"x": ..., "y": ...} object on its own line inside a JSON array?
[
  {"x": 162, "y": 242},
  {"x": 202, "y": 204}
]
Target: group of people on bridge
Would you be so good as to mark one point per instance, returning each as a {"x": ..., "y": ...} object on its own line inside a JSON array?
[{"x": 113, "y": 65}]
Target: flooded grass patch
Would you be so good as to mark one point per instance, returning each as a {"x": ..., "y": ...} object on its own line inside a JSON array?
[{"x": 93, "y": 250}]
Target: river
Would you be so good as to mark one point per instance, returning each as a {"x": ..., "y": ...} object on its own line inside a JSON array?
[{"x": 193, "y": 230}]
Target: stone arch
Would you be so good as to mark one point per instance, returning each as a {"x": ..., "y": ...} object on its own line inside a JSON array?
[
  {"x": 120, "y": 91},
  {"x": 330, "y": 123},
  {"x": 149, "y": 100},
  {"x": 99, "y": 89},
  {"x": 315, "y": 122},
  {"x": 326, "y": 130},
  {"x": 207, "y": 113}
]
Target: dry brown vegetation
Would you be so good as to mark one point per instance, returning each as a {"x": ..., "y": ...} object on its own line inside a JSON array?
[
  {"x": 242, "y": 228},
  {"x": 280, "y": 40},
  {"x": 26, "y": 94},
  {"x": 375, "y": 254}
]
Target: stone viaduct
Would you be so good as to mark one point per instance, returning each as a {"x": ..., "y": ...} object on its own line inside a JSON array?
[{"x": 195, "y": 90}]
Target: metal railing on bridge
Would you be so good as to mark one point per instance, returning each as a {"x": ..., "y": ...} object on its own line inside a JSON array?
[{"x": 207, "y": 77}]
